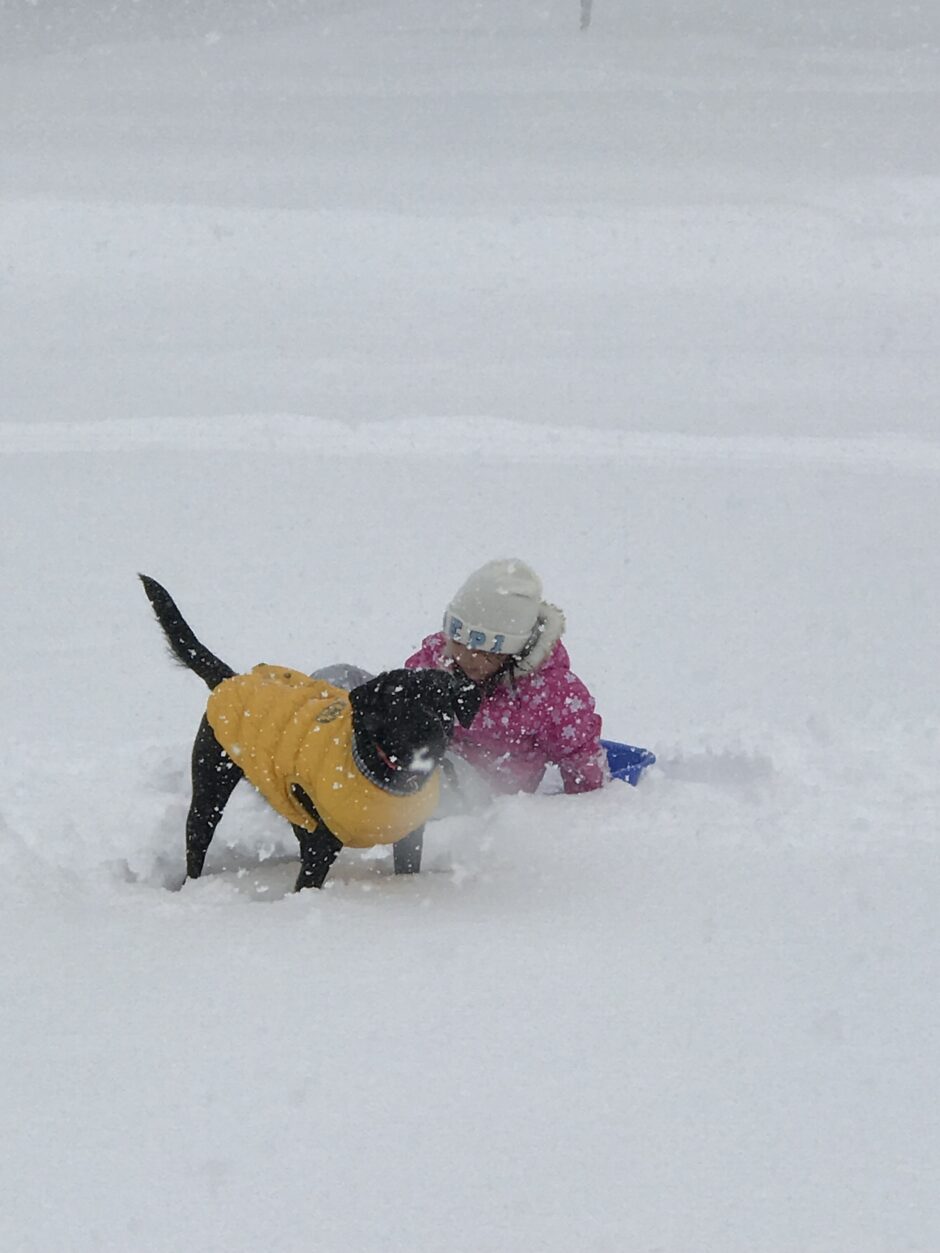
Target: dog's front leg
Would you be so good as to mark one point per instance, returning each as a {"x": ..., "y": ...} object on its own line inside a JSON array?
[
  {"x": 318, "y": 851},
  {"x": 406, "y": 853},
  {"x": 318, "y": 848}
]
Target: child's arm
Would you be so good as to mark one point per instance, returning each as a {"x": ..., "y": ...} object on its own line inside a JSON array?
[
  {"x": 587, "y": 774},
  {"x": 571, "y": 738}
]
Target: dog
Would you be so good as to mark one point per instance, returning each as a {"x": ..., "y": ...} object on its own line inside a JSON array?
[{"x": 355, "y": 768}]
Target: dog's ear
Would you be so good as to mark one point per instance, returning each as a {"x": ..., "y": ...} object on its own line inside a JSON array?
[
  {"x": 454, "y": 696},
  {"x": 467, "y": 698}
]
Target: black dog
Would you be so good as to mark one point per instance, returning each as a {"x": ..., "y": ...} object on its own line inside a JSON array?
[{"x": 384, "y": 742}]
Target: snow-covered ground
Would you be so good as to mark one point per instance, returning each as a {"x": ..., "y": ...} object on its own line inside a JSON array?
[{"x": 307, "y": 309}]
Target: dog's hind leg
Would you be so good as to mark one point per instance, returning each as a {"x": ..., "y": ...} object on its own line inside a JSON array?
[
  {"x": 406, "y": 853},
  {"x": 318, "y": 851},
  {"x": 214, "y": 779}
]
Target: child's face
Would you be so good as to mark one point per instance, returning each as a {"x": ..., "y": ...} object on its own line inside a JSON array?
[{"x": 477, "y": 666}]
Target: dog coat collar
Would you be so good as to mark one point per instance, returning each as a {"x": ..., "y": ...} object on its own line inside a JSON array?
[{"x": 402, "y": 783}]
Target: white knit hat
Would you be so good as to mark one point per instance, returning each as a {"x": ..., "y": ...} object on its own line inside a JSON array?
[{"x": 498, "y": 608}]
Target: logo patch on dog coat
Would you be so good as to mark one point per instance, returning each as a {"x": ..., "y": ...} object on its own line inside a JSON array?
[{"x": 332, "y": 711}]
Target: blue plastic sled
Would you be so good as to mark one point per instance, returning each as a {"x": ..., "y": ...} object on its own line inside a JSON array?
[{"x": 626, "y": 762}]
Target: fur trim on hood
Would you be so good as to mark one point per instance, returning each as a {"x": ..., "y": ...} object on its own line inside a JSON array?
[{"x": 548, "y": 631}]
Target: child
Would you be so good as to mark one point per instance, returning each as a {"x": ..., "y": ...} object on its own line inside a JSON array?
[{"x": 502, "y": 636}]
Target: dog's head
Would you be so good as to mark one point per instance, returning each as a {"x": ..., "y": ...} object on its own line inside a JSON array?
[{"x": 403, "y": 721}]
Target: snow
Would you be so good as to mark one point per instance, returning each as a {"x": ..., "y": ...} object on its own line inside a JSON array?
[{"x": 309, "y": 309}]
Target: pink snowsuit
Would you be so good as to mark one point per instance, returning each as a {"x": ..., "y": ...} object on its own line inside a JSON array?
[{"x": 526, "y": 722}]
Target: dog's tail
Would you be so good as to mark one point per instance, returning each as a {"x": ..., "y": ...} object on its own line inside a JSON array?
[{"x": 184, "y": 646}]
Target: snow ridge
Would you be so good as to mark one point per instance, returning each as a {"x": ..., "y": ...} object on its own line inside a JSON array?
[{"x": 469, "y": 435}]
